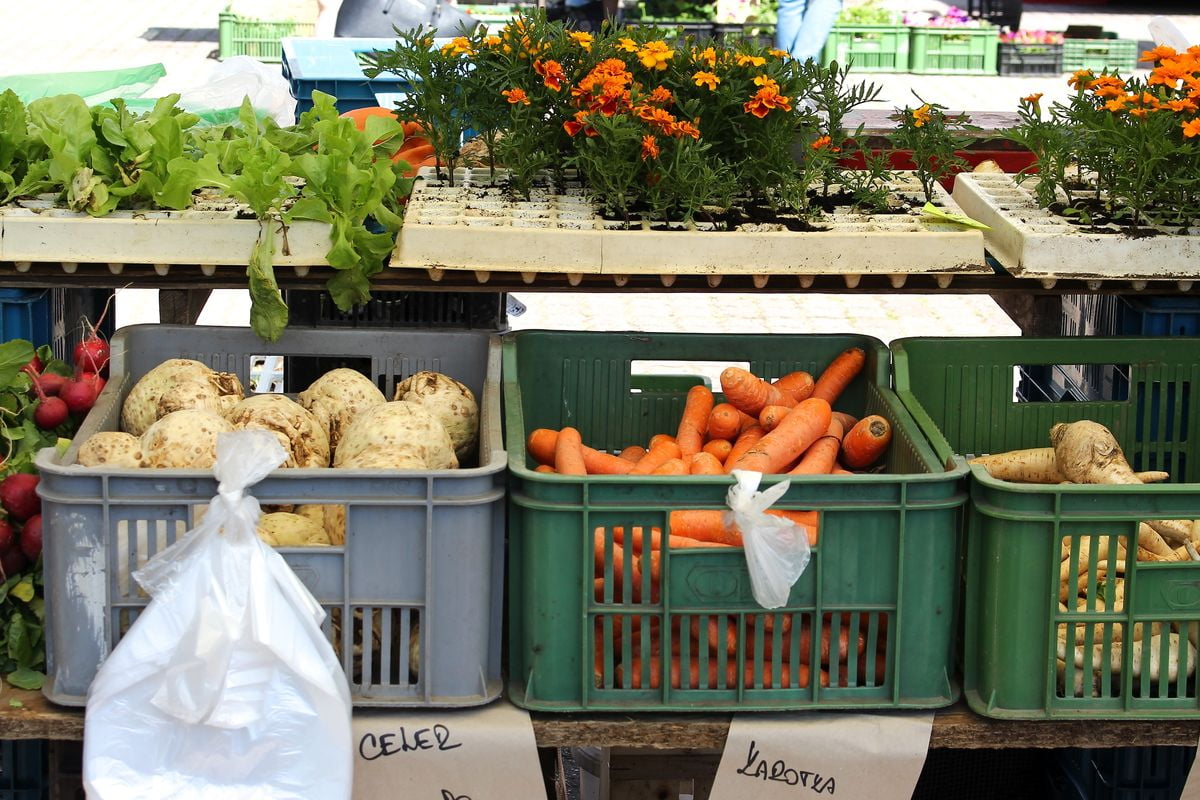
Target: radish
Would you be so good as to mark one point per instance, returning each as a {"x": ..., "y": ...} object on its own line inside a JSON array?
[
  {"x": 8, "y": 536},
  {"x": 31, "y": 537},
  {"x": 91, "y": 355},
  {"x": 18, "y": 495},
  {"x": 13, "y": 562},
  {"x": 34, "y": 367},
  {"x": 50, "y": 413},
  {"x": 79, "y": 396},
  {"x": 48, "y": 384},
  {"x": 93, "y": 379}
]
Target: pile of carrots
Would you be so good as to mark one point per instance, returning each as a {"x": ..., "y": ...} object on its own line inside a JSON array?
[
  {"x": 782, "y": 426},
  {"x": 785, "y": 426}
]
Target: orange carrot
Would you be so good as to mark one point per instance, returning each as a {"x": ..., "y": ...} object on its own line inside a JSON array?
[
  {"x": 821, "y": 457},
  {"x": 866, "y": 442},
  {"x": 637, "y": 540},
  {"x": 747, "y": 440},
  {"x": 839, "y": 373},
  {"x": 541, "y": 444},
  {"x": 797, "y": 384},
  {"x": 719, "y": 449},
  {"x": 634, "y": 673},
  {"x": 618, "y": 557},
  {"x": 658, "y": 455},
  {"x": 568, "y": 453},
  {"x": 661, "y": 437},
  {"x": 848, "y": 420},
  {"x": 598, "y": 463},
  {"x": 748, "y": 422},
  {"x": 705, "y": 525},
  {"x": 706, "y": 464},
  {"x": 838, "y": 469},
  {"x": 546, "y": 468},
  {"x": 674, "y": 466},
  {"x": 694, "y": 422},
  {"x": 750, "y": 393},
  {"x": 724, "y": 421},
  {"x": 770, "y": 417},
  {"x": 799, "y": 429},
  {"x": 632, "y": 453}
]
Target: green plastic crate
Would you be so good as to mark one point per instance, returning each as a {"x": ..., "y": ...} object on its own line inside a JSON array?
[
  {"x": 954, "y": 51},
  {"x": 260, "y": 39},
  {"x": 1114, "y": 55},
  {"x": 868, "y": 48},
  {"x": 886, "y": 564},
  {"x": 961, "y": 393}
]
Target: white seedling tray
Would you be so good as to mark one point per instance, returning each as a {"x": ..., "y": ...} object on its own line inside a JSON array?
[
  {"x": 1033, "y": 242},
  {"x": 215, "y": 231},
  {"x": 475, "y": 226}
]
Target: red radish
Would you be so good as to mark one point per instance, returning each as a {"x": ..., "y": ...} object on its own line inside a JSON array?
[
  {"x": 48, "y": 384},
  {"x": 31, "y": 537},
  {"x": 91, "y": 355},
  {"x": 34, "y": 367},
  {"x": 50, "y": 413},
  {"x": 93, "y": 379},
  {"x": 13, "y": 562},
  {"x": 8, "y": 536},
  {"x": 79, "y": 396},
  {"x": 18, "y": 495}
]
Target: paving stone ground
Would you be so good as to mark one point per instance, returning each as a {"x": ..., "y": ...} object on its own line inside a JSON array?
[{"x": 83, "y": 35}]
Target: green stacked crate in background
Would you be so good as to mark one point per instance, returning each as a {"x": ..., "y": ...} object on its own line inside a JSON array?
[
  {"x": 868, "y": 48},
  {"x": 241, "y": 36},
  {"x": 1114, "y": 55},
  {"x": 954, "y": 51}
]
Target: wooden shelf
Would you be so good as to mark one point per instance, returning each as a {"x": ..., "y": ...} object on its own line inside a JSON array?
[{"x": 27, "y": 715}]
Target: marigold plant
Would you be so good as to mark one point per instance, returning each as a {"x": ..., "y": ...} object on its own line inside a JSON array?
[{"x": 1121, "y": 150}]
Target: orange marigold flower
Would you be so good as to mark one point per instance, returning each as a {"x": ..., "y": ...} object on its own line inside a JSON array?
[
  {"x": 763, "y": 80},
  {"x": 708, "y": 56},
  {"x": 628, "y": 45},
  {"x": 579, "y": 123},
  {"x": 744, "y": 60},
  {"x": 582, "y": 39},
  {"x": 655, "y": 55},
  {"x": 516, "y": 96},
  {"x": 1140, "y": 113},
  {"x": 1081, "y": 79},
  {"x": 1109, "y": 91},
  {"x": 779, "y": 53},
  {"x": 706, "y": 79},
  {"x": 922, "y": 115},
  {"x": 1117, "y": 104},
  {"x": 685, "y": 128},
  {"x": 491, "y": 41},
  {"x": 822, "y": 143},
  {"x": 649, "y": 147},
  {"x": 1179, "y": 106},
  {"x": 1032, "y": 99},
  {"x": 1158, "y": 53},
  {"x": 458, "y": 46},
  {"x": 1191, "y": 128},
  {"x": 661, "y": 96},
  {"x": 764, "y": 100},
  {"x": 551, "y": 72}
]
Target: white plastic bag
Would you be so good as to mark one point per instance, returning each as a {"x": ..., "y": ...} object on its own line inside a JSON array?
[
  {"x": 240, "y": 77},
  {"x": 777, "y": 549},
  {"x": 224, "y": 686}
]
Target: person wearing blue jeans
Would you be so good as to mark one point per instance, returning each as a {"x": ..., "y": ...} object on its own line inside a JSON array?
[{"x": 802, "y": 26}]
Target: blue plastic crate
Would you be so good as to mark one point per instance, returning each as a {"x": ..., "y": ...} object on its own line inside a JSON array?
[
  {"x": 332, "y": 66},
  {"x": 25, "y": 314},
  {"x": 23, "y": 770},
  {"x": 1121, "y": 773},
  {"x": 1160, "y": 316}
]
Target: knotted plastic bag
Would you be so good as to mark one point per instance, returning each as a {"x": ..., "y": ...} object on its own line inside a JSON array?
[
  {"x": 224, "y": 686},
  {"x": 777, "y": 549}
]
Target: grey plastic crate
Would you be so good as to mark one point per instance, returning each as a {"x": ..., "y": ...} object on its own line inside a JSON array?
[{"x": 423, "y": 550}]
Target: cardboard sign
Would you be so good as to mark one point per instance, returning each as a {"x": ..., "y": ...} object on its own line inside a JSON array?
[
  {"x": 486, "y": 753},
  {"x": 1191, "y": 788},
  {"x": 855, "y": 756}
]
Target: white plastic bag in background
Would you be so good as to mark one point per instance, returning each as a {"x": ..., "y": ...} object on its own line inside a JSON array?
[
  {"x": 777, "y": 549},
  {"x": 239, "y": 77},
  {"x": 225, "y": 686}
]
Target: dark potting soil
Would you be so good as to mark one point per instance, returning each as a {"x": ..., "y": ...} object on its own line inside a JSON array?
[{"x": 1100, "y": 221}]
